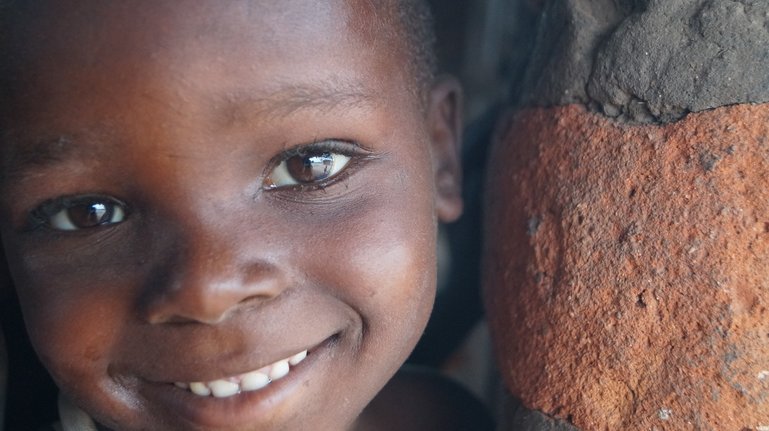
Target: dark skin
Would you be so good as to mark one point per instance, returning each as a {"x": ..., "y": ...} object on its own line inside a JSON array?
[{"x": 154, "y": 236}]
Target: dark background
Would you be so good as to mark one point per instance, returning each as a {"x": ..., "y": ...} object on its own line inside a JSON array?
[{"x": 485, "y": 43}]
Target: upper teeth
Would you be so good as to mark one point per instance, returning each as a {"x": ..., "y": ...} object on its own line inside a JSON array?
[{"x": 246, "y": 382}]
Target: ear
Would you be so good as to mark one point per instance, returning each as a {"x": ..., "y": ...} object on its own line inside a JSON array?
[{"x": 444, "y": 119}]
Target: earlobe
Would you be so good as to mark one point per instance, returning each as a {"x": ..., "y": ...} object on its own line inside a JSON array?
[{"x": 445, "y": 123}]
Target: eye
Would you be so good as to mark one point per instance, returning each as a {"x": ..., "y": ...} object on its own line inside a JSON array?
[
  {"x": 313, "y": 164},
  {"x": 71, "y": 214}
]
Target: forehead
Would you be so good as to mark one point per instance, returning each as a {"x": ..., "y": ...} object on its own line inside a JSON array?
[
  {"x": 51, "y": 42},
  {"x": 58, "y": 23},
  {"x": 86, "y": 56}
]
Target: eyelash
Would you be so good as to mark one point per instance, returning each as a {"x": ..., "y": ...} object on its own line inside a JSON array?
[
  {"x": 41, "y": 216},
  {"x": 357, "y": 154}
]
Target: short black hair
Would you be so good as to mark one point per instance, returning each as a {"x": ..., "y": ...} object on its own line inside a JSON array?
[{"x": 417, "y": 20}]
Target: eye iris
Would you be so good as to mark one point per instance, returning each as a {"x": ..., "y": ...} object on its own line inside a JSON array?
[
  {"x": 90, "y": 215},
  {"x": 311, "y": 168}
]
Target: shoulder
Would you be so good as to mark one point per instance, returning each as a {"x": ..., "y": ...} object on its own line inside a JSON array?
[{"x": 423, "y": 399}]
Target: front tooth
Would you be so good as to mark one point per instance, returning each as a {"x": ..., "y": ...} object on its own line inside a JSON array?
[
  {"x": 199, "y": 388},
  {"x": 253, "y": 381},
  {"x": 182, "y": 385},
  {"x": 279, "y": 369},
  {"x": 296, "y": 359},
  {"x": 223, "y": 388}
]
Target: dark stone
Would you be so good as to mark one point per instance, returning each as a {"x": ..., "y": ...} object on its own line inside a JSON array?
[
  {"x": 529, "y": 420},
  {"x": 650, "y": 60}
]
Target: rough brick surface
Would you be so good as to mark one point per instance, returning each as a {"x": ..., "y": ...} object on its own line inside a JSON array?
[{"x": 627, "y": 268}]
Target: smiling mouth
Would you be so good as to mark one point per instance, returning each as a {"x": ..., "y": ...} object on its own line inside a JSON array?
[{"x": 246, "y": 382}]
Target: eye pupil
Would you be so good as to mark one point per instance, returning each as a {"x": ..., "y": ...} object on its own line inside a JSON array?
[
  {"x": 311, "y": 168},
  {"x": 71, "y": 213},
  {"x": 90, "y": 215}
]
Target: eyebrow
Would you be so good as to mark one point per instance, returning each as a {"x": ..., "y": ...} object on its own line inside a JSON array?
[
  {"x": 23, "y": 156},
  {"x": 289, "y": 99},
  {"x": 239, "y": 107}
]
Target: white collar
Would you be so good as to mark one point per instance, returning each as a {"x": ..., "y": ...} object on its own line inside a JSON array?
[{"x": 72, "y": 418}]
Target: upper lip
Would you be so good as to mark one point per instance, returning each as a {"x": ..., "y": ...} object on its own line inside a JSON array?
[
  {"x": 246, "y": 382},
  {"x": 218, "y": 368},
  {"x": 236, "y": 375}
]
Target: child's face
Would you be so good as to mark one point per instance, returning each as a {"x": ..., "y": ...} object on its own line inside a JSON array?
[{"x": 155, "y": 230}]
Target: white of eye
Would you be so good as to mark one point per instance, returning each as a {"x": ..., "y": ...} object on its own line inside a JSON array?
[
  {"x": 62, "y": 220},
  {"x": 320, "y": 167}
]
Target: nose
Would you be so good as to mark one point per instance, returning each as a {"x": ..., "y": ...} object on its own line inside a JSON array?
[{"x": 207, "y": 280}]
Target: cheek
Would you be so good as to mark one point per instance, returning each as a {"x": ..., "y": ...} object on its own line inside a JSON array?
[
  {"x": 73, "y": 321},
  {"x": 76, "y": 321},
  {"x": 380, "y": 262},
  {"x": 397, "y": 282},
  {"x": 386, "y": 264}
]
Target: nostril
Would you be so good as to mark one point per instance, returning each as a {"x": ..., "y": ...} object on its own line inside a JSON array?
[
  {"x": 205, "y": 276},
  {"x": 156, "y": 319},
  {"x": 207, "y": 300},
  {"x": 186, "y": 304}
]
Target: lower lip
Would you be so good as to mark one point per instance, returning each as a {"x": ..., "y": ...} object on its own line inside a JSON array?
[{"x": 238, "y": 410}]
